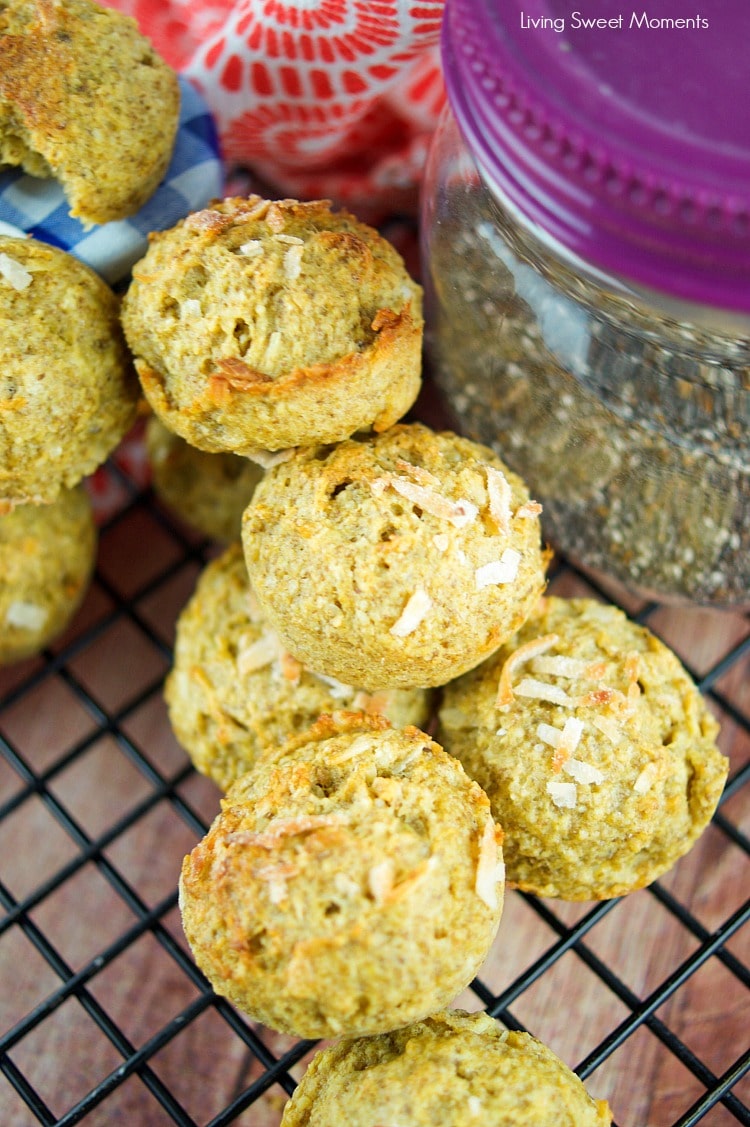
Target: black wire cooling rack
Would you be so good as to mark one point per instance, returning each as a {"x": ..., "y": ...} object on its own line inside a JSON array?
[{"x": 104, "y": 1016}]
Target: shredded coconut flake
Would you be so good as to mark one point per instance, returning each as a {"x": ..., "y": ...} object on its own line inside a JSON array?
[
  {"x": 475, "y": 1105},
  {"x": 549, "y": 734},
  {"x": 504, "y": 570},
  {"x": 606, "y": 695},
  {"x": 14, "y": 273},
  {"x": 207, "y": 219},
  {"x": 583, "y": 772},
  {"x": 191, "y": 308},
  {"x": 26, "y": 616},
  {"x": 412, "y": 881},
  {"x": 419, "y": 473},
  {"x": 254, "y": 207},
  {"x": 519, "y": 656},
  {"x": 275, "y": 342},
  {"x": 571, "y": 734},
  {"x": 252, "y": 249},
  {"x": 275, "y": 218},
  {"x": 267, "y": 459},
  {"x": 461, "y": 556},
  {"x": 564, "y": 740},
  {"x": 563, "y": 795},
  {"x": 540, "y": 690},
  {"x": 609, "y": 727},
  {"x": 338, "y": 689},
  {"x": 380, "y": 881},
  {"x": 345, "y": 886},
  {"x": 487, "y": 877},
  {"x": 255, "y": 654},
  {"x": 458, "y": 513},
  {"x": 499, "y": 495},
  {"x": 280, "y": 828},
  {"x": 441, "y": 541},
  {"x": 357, "y": 746},
  {"x": 413, "y": 613},
  {"x": 529, "y": 510},
  {"x": 646, "y": 779},
  {"x": 560, "y": 665},
  {"x": 292, "y": 261},
  {"x": 277, "y": 891},
  {"x": 634, "y": 692},
  {"x": 291, "y": 240}
]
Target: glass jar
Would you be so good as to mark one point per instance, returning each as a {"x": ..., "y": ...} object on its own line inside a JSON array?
[{"x": 587, "y": 271}]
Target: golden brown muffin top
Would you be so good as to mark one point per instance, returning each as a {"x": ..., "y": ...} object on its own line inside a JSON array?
[{"x": 300, "y": 903}]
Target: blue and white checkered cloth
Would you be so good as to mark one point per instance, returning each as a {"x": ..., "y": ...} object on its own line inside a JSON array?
[{"x": 194, "y": 177}]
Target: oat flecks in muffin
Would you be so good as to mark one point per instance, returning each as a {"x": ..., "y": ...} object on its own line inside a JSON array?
[
  {"x": 310, "y": 327},
  {"x": 470, "y": 1071},
  {"x": 377, "y": 586},
  {"x": 603, "y": 767},
  {"x": 369, "y": 828},
  {"x": 234, "y": 690},
  {"x": 86, "y": 99}
]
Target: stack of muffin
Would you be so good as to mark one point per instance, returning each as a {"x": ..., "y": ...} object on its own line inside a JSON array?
[
  {"x": 68, "y": 394},
  {"x": 387, "y": 576},
  {"x": 84, "y": 99},
  {"x": 381, "y": 580}
]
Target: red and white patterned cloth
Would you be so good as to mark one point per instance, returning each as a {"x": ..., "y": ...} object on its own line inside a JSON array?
[{"x": 318, "y": 98}]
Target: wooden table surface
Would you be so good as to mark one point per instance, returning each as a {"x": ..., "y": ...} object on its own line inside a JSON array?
[{"x": 99, "y": 806}]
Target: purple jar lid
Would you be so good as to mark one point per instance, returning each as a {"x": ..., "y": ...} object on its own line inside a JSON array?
[{"x": 627, "y": 141}]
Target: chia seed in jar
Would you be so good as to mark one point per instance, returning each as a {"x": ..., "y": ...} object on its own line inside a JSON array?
[{"x": 588, "y": 283}]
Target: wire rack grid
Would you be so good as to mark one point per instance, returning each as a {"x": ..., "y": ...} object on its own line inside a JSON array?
[{"x": 104, "y": 1017}]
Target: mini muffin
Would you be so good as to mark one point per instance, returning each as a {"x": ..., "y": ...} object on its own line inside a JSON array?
[
  {"x": 234, "y": 691},
  {"x": 67, "y": 390},
  {"x": 351, "y": 884},
  {"x": 395, "y": 560},
  {"x": 84, "y": 98},
  {"x": 47, "y": 555},
  {"x": 453, "y": 1069},
  {"x": 209, "y": 492},
  {"x": 595, "y": 747},
  {"x": 259, "y": 325}
]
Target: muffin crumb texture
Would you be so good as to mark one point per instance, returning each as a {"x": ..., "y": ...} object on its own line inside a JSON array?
[
  {"x": 396, "y": 560},
  {"x": 453, "y": 1069},
  {"x": 595, "y": 747},
  {"x": 235, "y": 692},
  {"x": 270, "y": 325},
  {"x": 68, "y": 392},
  {"x": 300, "y": 903},
  {"x": 85, "y": 99},
  {"x": 47, "y": 555},
  {"x": 209, "y": 492}
]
